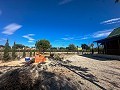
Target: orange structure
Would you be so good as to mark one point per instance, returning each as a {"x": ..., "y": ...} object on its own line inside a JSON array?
[{"x": 39, "y": 58}]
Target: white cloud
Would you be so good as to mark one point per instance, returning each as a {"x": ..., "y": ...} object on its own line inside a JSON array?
[
  {"x": 84, "y": 38},
  {"x": 29, "y": 37},
  {"x": 31, "y": 41},
  {"x": 64, "y": 2},
  {"x": 111, "y": 21},
  {"x": 98, "y": 34},
  {"x": 68, "y": 38},
  {"x": 11, "y": 28},
  {"x": 3, "y": 39},
  {"x": 103, "y": 33}
]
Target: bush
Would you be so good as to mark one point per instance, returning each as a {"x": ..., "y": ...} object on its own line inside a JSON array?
[{"x": 58, "y": 57}]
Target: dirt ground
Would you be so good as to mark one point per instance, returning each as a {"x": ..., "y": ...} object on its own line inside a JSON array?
[
  {"x": 96, "y": 73},
  {"x": 89, "y": 73}
]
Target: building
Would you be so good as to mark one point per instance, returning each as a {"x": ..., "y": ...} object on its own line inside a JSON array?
[
  {"x": 111, "y": 44},
  {"x": 1, "y": 47}
]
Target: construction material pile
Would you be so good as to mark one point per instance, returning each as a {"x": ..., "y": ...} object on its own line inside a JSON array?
[{"x": 34, "y": 77}]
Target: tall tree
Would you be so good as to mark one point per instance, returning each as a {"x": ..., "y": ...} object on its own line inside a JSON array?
[
  {"x": 92, "y": 45},
  {"x": 30, "y": 53},
  {"x": 34, "y": 53},
  {"x": 14, "y": 51},
  {"x": 42, "y": 45},
  {"x": 6, "y": 56},
  {"x": 24, "y": 54},
  {"x": 19, "y": 46},
  {"x": 85, "y": 46},
  {"x": 72, "y": 47}
]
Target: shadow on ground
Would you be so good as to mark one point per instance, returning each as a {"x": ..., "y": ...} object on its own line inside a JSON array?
[
  {"x": 95, "y": 57},
  {"x": 83, "y": 72}
]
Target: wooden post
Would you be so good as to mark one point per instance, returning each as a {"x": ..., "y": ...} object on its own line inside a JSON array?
[
  {"x": 118, "y": 46},
  {"x": 98, "y": 47},
  {"x": 105, "y": 48}
]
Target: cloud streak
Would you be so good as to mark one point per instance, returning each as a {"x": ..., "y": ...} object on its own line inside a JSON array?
[
  {"x": 111, "y": 21},
  {"x": 29, "y": 37},
  {"x": 11, "y": 28},
  {"x": 3, "y": 39},
  {"x": 65, "y": 2},
  {"x": 103, "y": 33},
  {"x": 67, "y": 38},
  {"x": 98, "y": 34}
]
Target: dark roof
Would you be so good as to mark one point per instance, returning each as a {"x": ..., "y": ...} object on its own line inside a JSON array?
[
  {"x": 113, "y": 35},
  {"x": 115, "y": 32},
  {"x": 1, "y": 45}
]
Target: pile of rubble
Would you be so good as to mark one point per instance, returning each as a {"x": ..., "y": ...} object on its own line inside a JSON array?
[{"x": 35, "y": 77}]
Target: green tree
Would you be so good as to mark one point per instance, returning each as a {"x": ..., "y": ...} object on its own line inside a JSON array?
[
  {"x": 19, "y": 46},
  {"x": 42, "y": 45},
  {"x": 72, "y": 47},
  {"x": 6, "y": 56},
  {"x": 30, "y": 53},
  {"x": 85, "y": 46},
  {"x": 34, "y": 53},
  {"x": 24, "y": 54},
  {"x": 53, "y": 49},
  {"x": 14, "y": 51},
  {"x": 92, "y": 45},
  {"x": 62, "y": 49},
  {"x": 67, "y": 49}
]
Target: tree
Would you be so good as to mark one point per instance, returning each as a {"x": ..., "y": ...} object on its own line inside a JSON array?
[
  {"x": 85, "y": 46},
  {"x": 19, "y": 46},
  {"x": 42, "y": 45},
  {"x": 30, "y": 53},
  {"x": 67, "y": 49},
  {"x": 34, "y": 53},
  {"x": 77, "y": 50},
  {"x": 62, "y": 49},
  {"x": 92, "y": 45},
  {"x": 14, "y": 51},
  {"x": 72, "y": 47},
  {"x": 53, "y": 49},
  {"x": 24, "y": 54},
  {"x": 50, "y": 49},
  {"x": 6, "y": 56}
]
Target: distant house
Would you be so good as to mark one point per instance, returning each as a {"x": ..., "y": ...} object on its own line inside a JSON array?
[
  {"x": 1, "y": 47},
  {"x": 111, "y": 44}
]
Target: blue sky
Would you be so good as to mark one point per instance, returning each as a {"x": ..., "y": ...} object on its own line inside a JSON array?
[{"x": 62, "y": 22}]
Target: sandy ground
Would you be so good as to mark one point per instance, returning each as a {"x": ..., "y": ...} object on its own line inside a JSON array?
[
  {"x": 96, "y": 73},
  {"x": 13, "y": 63},
  {"x": 90, "y": 73}
]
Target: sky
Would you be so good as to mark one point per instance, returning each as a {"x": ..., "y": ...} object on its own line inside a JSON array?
[{"x": 62, "y": 22}]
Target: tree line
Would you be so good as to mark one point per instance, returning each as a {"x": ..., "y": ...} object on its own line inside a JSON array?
[
  {"x": 14, "y": 49},
  {"x": 40, "y": 46}
]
